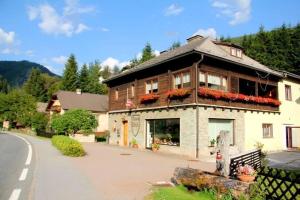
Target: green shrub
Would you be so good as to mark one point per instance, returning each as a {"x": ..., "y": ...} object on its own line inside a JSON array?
[{"x": 68, "y": 146}]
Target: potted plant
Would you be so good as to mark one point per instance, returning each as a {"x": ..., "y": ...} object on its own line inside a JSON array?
[
  {"x": 134, "y": 143},
  {"x": 246, "y": 173},
  {"x": 155, "y": 147},
  {"x": 212, "y": 142},
  {"x": 179, "y": 93},
  {"x": 149, "y": 98}
]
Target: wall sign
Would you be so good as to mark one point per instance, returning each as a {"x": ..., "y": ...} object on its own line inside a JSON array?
[{"x": 135, "y": 124}]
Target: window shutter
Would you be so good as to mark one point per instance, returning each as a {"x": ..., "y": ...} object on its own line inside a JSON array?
[{"x": 234, "y": 83}]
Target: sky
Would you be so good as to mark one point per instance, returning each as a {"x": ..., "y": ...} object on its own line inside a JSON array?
[{"x": 115, "y": 31}]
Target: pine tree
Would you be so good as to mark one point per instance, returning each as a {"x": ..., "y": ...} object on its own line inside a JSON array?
[
  {"x": 94, "y": 85},
  {"x": 106, "y": 72},
  {"x": 84, "y": 78},
  {"x": 70, "y": 76},
  {"x": 175, "y": 45},
  {"x": 147, "y": 53},
  {"x": 35, "y": 85},
  {"x": 116, "y": 70},
  {"x": 4, "y": 87}
]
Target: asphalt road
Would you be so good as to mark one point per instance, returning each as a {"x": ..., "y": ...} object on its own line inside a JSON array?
[
  {"x": 16, "y": 171},
  {"x": 285, "y": 160}
]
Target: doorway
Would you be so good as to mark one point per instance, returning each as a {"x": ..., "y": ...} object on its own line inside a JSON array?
[
  {"x": 292, "y": 137},
  {"x": 125, "y": 133}
]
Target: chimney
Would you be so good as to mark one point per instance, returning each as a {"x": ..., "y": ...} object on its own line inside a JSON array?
[
  {"x": 194, "y": 37},
  {"x": 78, "y": 91}
]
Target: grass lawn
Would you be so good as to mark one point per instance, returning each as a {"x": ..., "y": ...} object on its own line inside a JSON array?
[{"x": 178, "y": 193}]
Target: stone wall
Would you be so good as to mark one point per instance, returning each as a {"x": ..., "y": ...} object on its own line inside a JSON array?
[
  {"x": 205, "y": 113},
  {"x": 137, "y": 128}
]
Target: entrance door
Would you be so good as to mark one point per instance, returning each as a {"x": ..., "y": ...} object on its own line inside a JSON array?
[
  {"x": 125, "y": 133},
  {"x": 289, "y": 137},
  {"x": 150, "y": 133}
]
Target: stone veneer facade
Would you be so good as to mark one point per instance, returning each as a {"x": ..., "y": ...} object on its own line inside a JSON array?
[{"x": 187, "y": 116}]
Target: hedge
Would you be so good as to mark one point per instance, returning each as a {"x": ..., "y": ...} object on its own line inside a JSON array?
[{"x": 68, "y": 146}]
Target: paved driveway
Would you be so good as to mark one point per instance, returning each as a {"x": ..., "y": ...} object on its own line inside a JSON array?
[
  {"x": 127, "y": 174},
  {"x": 286, "y": 160}
]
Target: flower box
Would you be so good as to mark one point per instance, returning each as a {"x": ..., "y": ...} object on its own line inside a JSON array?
[
  {"x": 149, "y": 98},
  {"x": 228, "y": 96},
  {"x": 246, "y": 173},
  {"x": 178, "y": 93}
]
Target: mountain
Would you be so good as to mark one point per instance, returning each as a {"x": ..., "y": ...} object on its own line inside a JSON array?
[{"x": 16, "y": 72}]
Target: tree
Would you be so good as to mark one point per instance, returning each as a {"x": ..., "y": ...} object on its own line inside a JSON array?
[
  {"x": 35, "y": 85},
  {"x": 147, "y": 53},
  {"x": 52, "y": 84},
  {"x": 84, "y": 78},
  {"x": 74, "y": 121},
  {"x": 175, "y": 45},
  {"x": 70, "y": 76},
  {"x": 17, "y": 106},
  {"x": 94, "y": 86},
  {"x": 116, "y": 70},
  {"x": 106, "y": 73},
  {"x": 4, "y": 87}
]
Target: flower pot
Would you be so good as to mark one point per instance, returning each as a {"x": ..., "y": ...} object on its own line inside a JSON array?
[
  {"x": 154, "y": 149},
  {"x": 135, "y": 146},
  {"x": 246, "y": 178}
]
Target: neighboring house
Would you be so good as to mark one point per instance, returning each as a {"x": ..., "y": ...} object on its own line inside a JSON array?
[
  {"x": 97, "y": 104},
  {"x": 183, "y": 98}
]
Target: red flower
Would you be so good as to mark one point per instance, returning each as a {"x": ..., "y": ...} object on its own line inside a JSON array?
[
  {"x": 217, "y": 94},
  {"x": 178, "y": 93},
  {"x": 149, "y": 98}
]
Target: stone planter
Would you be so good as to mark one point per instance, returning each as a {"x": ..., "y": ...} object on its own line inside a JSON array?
[
  {"x": 246, "y": 178},
  {"x": 83, "y": 138}
]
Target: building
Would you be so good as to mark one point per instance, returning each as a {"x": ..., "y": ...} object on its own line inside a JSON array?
[
  {"x": 183, "y": 98},
  {"x": 97, "y": 104}
]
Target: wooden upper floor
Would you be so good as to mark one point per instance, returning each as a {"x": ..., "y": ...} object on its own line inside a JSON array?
[{"x": 195, "y": 78}]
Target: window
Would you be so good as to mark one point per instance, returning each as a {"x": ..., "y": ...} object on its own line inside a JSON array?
[
  {"x": 247, "y": 87},
  {"x": 152, "y": 86},
  {"x": 182, "y": 80},
  {"x": 132, "y": 90},
  {"x": 215, "y": 126},
  {"x": 117, "y": 94},
  {"x": 214, "y": 81},
  {"x": 288, "y": 92},
  {"x": 202, "y": 80},
  {"x": 163, "y": 131},
  {"x": 267, "y": 130},
  {"x": 239, "y": 53},
  {"x": 236, "y": 52}
]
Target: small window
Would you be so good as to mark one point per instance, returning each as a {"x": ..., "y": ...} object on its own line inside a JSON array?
[
  {"x": 202, "y": 79},
  {"x": 267, "y": 130},
  {"x": 239, "y": 53},
  {"x": 132, "y": 90},
  {"x": 117, "y": 94},
  {"x": 152, "y": 86},
  {"x": 288, "y": 92},
  {"x": 233, "y": 51},
  {"x": 182, "y": 80}
]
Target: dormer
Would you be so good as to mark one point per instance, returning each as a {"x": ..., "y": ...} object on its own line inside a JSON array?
[
  {"x": 232, "y": 49},
  {"x": 236, "y": 52}
]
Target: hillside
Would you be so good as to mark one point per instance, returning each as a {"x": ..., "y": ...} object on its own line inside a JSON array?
[
  {"x": 16, "y": 72},
  {"x": 278, "y": 48}
]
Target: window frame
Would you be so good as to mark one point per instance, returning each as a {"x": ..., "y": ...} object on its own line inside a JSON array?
[
  {"x": 270, "y": 128},
  {"x": 222, "y": 77},
  {"x": 151, "y": 84},
  {"x": 288, "y": 92},
  {"x": 181, "y": 74},
  {"x": 132, "y": 87}
]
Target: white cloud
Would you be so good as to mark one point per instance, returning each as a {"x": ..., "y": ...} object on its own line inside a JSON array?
[
  {"x": 51, "y": 22},
  {"x": 173, "y": 10},
  {"x": 112, "y": 62},
  {"x": 73, "y": 7},
  {"x": 156, "y": 52},
  {"x": 60, "y": 59},
  {"x": 239, "y": 11},
  {"x": 210, "y": 32},
  {"x": 6, "y": 37},
  {"x": 103, "y": 29}
]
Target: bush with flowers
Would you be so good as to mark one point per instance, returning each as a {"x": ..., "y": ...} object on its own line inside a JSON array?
[
  {"x": 149, "y": 98},
  {"x": 246, "y": 170},
  {"x": 178, "y": 93},
  {"x": 228, "y": 96}
]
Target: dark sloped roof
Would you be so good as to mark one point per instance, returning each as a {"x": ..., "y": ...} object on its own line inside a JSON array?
[
  {"x": 200, "y": 45},
  {"x": 88, "y": 101}
]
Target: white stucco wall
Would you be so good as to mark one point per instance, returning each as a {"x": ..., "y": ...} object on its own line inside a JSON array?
[{"x": 102, "y": 119}]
